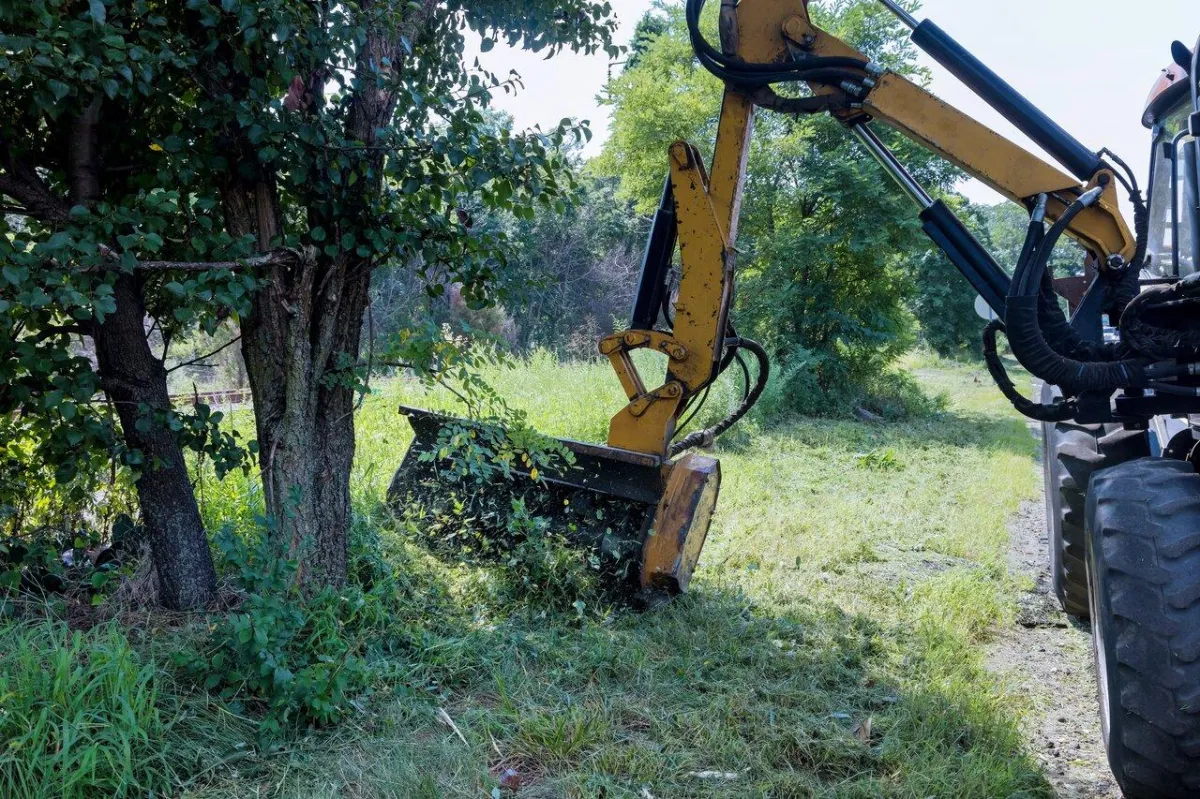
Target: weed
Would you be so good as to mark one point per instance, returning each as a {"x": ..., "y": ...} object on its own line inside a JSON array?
[
  {"x": 880, "y": 460},
  {"x": 294, "y": 660}
]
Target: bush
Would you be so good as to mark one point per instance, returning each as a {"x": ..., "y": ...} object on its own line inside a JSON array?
[
  {"x": 78, "y": 715},
  {"x": 296, "y": 660},
  {"x": 812, "y": 385}
]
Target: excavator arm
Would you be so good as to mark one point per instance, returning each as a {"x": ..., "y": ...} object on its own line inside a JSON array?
[{"x": 765, "y": 40}]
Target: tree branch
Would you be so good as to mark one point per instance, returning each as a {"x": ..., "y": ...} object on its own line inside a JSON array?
[
  {"x": 22, "y": 183},
  {"x": 217, "y": 351},
  {"x": 50, "y": 331},
  {"x": 278, "y": 257}
]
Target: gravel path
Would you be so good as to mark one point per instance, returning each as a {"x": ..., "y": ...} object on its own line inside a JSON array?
[{"x": 1048, "y": 657}]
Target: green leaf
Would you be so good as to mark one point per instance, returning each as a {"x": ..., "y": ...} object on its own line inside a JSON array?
[
  {"x": 15, "y": 275},
  {"x": 98, "y": 11},
  {"x": 58, "y": 88}
]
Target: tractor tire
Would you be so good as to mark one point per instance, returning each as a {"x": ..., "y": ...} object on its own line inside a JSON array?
[
  {"x": 1072, "y": 453},
  {"x": 1143, "y": 549}
]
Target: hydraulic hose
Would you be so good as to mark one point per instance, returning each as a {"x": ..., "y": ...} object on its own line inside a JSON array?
[
  {"x": 822, "y": 69},
  {"x": 1022, "y": 324},
  {"x": 1026, "y": 407},
  {"x": 705, "y": 438},
  {"x": 1057, "y": 331}
]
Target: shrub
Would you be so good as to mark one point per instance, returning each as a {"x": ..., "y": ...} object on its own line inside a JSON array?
[
  {"x": 78, "y": 715},
  {"x": 295, "y": 660},
  {"x": 811, "y": 384}
]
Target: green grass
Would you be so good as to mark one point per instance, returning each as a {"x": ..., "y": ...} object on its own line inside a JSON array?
[
  {"x": 831, "y": 645},
  {"x": 79, "y": 715}
]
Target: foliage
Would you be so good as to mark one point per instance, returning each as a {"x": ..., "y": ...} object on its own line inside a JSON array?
[
  {"x": 79, "y": 567},
  {"x": 480, "y": 495},
  {"x": 40, "y": 495},
  {"x": 580, "y": 270},
  {"x": 80, "y": 715},
  {"x": 294, "y": 660},
  {"x": 60, "y": 266},
  {"x": 825, "y": 249},
  {"x": 572, "y": 272}
]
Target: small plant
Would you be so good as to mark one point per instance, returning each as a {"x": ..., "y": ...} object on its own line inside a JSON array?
[
  {"x": 879, "y": 460},
  {"x": 296, "y": 660}
]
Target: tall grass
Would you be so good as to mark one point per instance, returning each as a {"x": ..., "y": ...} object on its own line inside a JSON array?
[{"x": 79, "y": 715}]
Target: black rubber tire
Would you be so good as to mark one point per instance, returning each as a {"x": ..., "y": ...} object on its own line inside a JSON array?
[
  {"x": 1072, "y": 453},
  {"x": 1143, "y": 535}
]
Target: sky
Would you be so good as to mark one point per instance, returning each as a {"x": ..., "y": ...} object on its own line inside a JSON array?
[{"x": 1089, "y": 64}]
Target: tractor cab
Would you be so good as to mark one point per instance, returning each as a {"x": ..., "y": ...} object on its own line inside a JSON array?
[{"x": 1174, "y": 231}]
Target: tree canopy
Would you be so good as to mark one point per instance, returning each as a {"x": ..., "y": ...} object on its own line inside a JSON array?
[{"x": 227, "y": 161}]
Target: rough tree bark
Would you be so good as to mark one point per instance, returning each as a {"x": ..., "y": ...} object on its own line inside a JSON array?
[
  {"x": 134, "y": 379},
  {"x": 136, "y": 382},
  {"x": 307, "y": 318}
]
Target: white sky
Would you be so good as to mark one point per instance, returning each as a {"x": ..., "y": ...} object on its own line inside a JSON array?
[{"x": 1089, "y": 64}]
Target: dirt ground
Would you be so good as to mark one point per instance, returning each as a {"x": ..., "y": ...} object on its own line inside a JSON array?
[{"x": 1048, "y": 657}]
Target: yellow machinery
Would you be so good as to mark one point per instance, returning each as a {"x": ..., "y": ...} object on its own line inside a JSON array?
[{"x": 766, "y": 42}]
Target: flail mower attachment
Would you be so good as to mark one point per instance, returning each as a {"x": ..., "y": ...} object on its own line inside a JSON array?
[{"x": 642, "y": 516}]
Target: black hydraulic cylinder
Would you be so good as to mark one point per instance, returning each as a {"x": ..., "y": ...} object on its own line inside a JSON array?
[
  {"x": 656, "y": 263},
  {"x": 1066, "y": 149},
  {"x": 964, "y": 251}
]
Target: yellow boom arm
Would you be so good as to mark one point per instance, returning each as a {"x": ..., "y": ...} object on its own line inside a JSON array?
[{"x": 707, "y": 202}]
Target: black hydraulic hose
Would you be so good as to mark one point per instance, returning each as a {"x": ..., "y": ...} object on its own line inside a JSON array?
[
  {"x": 1057, "y": 331},
  {"x": 1026, "y": 407},
  {"x": 1028, "y": 341},
  {"x": 1034, "y": 236},
  {"x": 1128, "y": 288},
  {"x": 814, "y": 71},
  {"x": 707, "y": 51},
  {"x": 705, "y": 438},
  {"x": 822, "y": 69},
  {"x": 1061, "y": 335}
]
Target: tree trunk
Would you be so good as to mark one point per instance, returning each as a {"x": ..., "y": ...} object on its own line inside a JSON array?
[
  {"x": 136, "y": 382},
  {"x": 301, "y": 340},
  {"x": 304, "y": 407},
  {"x": 305, "y": 327}
]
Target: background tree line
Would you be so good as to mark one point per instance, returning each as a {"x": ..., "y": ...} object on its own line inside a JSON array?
[{"x": 834, "y": 274}]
